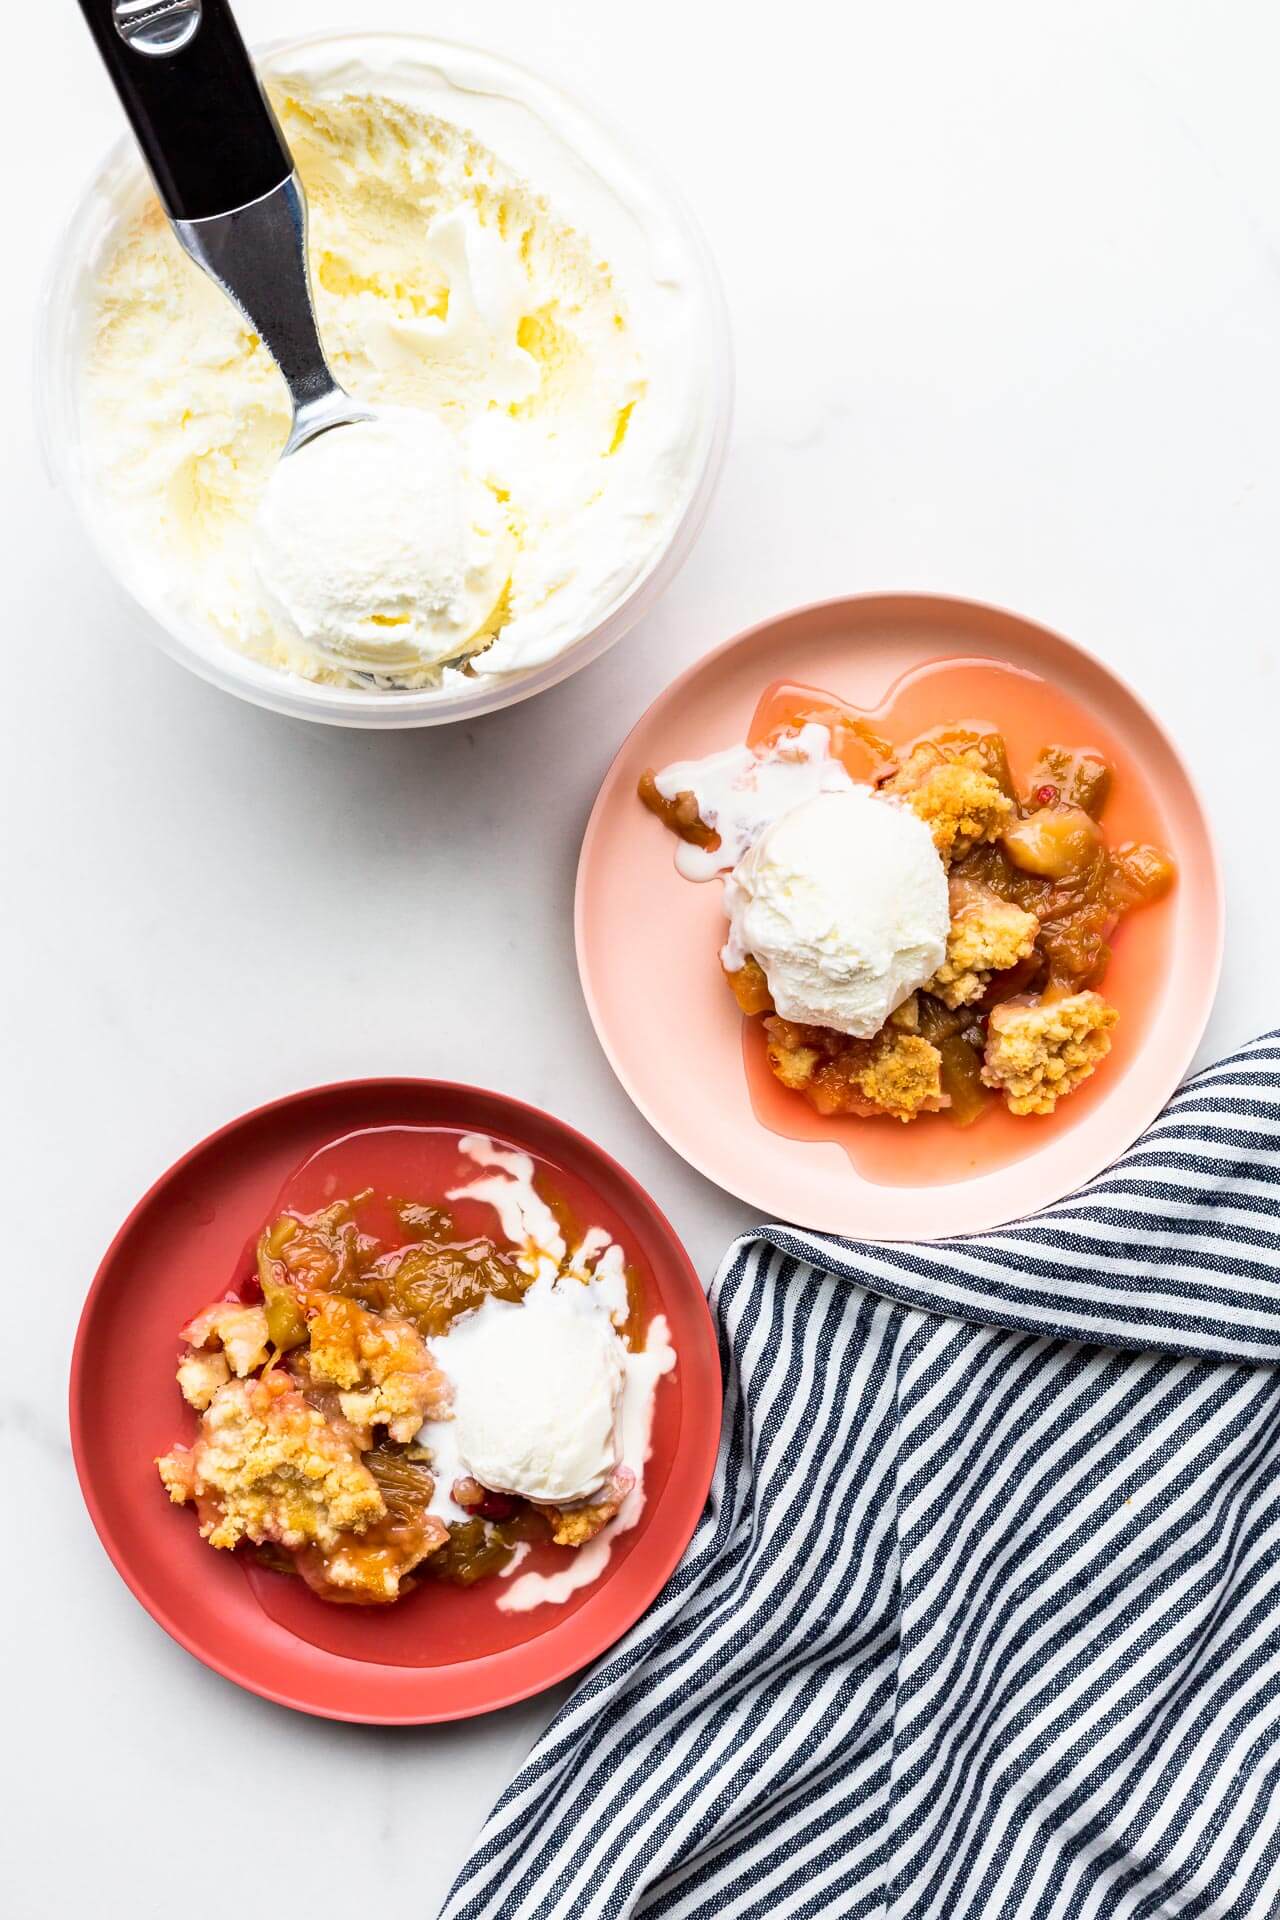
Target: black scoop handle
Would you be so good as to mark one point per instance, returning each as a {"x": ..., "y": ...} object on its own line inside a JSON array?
[{"x": 194, "y": 101}]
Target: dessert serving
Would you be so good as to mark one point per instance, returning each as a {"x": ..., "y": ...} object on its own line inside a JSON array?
[
  {"x": 394, "y": 1397},
  {"x": 442, "y": 1329},
  {"x": 852, "y": 933},
  {"x": 920, "y": 925},
  {"x": 532, "y": 323}
]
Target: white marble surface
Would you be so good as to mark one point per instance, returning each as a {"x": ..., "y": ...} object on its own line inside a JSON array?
[{"x": 1005, "y": 282}]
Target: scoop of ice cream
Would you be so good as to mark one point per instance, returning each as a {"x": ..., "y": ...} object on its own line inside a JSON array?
[
  {"x": 538, "y": 1390},
  {"x": 843, "y": 902},
  {"x": 379, "y": 547}
]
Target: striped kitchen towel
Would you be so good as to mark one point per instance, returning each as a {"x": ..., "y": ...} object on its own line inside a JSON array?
[{"x": 982, "y": 1616}]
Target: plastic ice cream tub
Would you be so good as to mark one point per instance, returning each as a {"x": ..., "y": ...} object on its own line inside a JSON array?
[{"x": 562, "y": 153}]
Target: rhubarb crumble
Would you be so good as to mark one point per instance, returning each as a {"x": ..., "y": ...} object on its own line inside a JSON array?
[
  {"x": 373, "y": 1409},
  {"x": 904, "y": 973}
]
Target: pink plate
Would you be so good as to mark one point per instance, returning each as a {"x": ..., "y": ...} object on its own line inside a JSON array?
[
  {"x": 440, "y": 1653},
  {"x": 648, "y": 940}
]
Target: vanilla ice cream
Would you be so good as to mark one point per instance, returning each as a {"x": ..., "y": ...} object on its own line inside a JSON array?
[
  {"x": 513, "y": 285},
  {"x": 549, "y": 1400},
  {"x": 842, "y": 900},
  {"x": 537, "y": 1388},
  {"x": 742, "y": 789},
  {"x": 379, "y": 546}
]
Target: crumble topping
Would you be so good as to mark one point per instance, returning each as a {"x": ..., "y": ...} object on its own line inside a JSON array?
[
  {"x": 381, "y": 1365},
  {"x": 200, "y": 1375},
  {"x": 574, "y": 1526},
  {"x": 961, "y": 803},
  {"x": 266, "y": 1466},
  {"x": 1040, "y": 1051},
  {"x": 897, "y": 1072},
  {"x": 988, "y": 935},
  {"x": 370, "y": 1565}
]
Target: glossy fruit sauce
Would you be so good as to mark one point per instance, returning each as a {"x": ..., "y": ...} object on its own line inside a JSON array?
[
  {"x": 1030, "y": 714},
  {"x": 439, "y": 1624}
]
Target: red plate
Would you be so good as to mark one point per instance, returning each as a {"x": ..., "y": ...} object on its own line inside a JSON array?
[{"x": 441, "y": 1653}]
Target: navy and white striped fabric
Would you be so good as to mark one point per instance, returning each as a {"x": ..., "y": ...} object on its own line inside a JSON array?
[{"x": 982, "y": 1616}]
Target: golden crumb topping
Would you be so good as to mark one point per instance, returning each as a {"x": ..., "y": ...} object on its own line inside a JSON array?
[
  {"x": 266, "y": 1466},
  {"x": 381, "y": 1365},
  {"x": 898, "y": 1072},
  {"x": 906, "y": 1017},
  {"x": 1039, "y": 1051},
  {"x": 373, "y": 1566},
  {"x": 200, "y": 1375},
  {"x": 574, "y": 1526},
  {"x": 959, "y": 801},
  {"x": 987, "y": 935},
  {"x": 903, "y": 1075}
]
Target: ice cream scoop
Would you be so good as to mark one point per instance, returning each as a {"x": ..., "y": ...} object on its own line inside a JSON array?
[
  {"x": 225, "y": 178},
  {"x": 538, "y": 1388},
  {"x": 381, "y": 549},
  {"x": 843, "y": 902}
]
